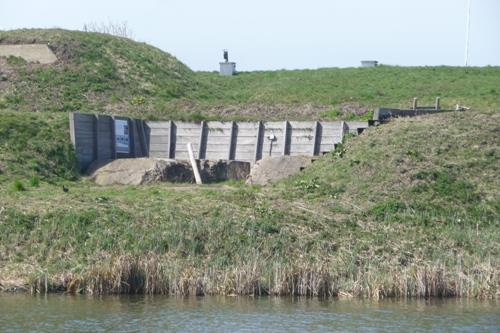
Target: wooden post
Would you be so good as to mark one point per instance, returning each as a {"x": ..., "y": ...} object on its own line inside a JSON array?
[
  {"x": 438, "y": 107},
  {"x": 415, "y": 101},
  {"x": 196, "y": 172}
]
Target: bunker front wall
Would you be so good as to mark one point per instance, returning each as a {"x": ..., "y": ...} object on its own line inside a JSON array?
[{"x": 99, "y": 137}]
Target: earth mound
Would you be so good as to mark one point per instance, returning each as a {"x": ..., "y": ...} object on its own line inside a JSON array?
[
  {"x": 92, "y": 71},
  {"x": 272, "y": 169}
]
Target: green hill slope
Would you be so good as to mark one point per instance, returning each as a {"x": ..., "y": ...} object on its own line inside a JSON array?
[
  {"x": 409, "y": 208},
  {"x": 406, "y": 209},
  {"x": 95, "y": 72},
  {"x": 35, "y": 145},
  {"x": 107, "y": 74},
  {"x": 346, "y": 93}
]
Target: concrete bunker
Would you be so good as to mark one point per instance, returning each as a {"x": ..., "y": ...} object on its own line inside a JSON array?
[
  {"x": 223, "y": 149},
  {"x": 102, "y": 139}
]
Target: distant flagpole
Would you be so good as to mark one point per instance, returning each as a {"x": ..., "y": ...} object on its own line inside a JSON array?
[{"x": 467, "y": 34}]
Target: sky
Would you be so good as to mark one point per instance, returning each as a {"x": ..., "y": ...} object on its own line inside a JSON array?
[{"x": 285, "y": 34}]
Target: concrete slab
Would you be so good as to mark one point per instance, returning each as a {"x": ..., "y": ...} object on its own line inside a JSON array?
[{"x": 30, "y": 52}]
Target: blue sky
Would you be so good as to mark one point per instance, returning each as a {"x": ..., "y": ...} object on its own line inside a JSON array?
[{"x": 263, "y": 35}]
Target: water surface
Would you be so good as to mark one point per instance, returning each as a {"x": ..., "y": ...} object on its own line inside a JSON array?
[{"x": 57, "y": 313}]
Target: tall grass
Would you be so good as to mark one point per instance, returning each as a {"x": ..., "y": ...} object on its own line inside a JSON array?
[{"x": 152, "y": 274}]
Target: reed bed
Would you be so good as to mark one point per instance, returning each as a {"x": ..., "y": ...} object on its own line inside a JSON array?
[{"x": 154, "y": 274}]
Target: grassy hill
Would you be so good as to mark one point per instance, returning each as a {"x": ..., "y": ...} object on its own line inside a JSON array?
[
  {"x": 406, "y": 209},
  {"x": 346, "y": 93},
  {"x": 106, "y": 74},
  {"x": 409, "y": 208},
  {"x": 95, "y": 72}
]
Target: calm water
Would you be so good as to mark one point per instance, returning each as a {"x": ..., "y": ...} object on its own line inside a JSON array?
[{"x": 58, "y": 313}]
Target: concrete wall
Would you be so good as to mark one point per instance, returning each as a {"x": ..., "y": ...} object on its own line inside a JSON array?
[
  {"x": 83, "y": 137},
  {"x": 243, "y": 141},
  {"x": 93, "y": 137},
  {"x": 356, "y": 127}
]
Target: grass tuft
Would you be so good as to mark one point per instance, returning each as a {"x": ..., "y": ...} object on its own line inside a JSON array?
[
  {"x": 18, "y": 186},
  {"x": 34, "y": 181}
]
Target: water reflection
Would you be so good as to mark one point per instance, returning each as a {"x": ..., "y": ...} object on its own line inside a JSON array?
[{"x": 51, "y": 313}]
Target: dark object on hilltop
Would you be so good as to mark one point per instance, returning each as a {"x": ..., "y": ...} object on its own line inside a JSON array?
[
  {"x": 65, "y": 189},
  {"x": 226, "y": 56}
]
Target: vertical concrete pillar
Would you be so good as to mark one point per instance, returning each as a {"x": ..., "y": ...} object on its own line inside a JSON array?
[
  {"x": 131, "y": 138},
  {"x": 141, "y": 136},
  {"x": 286, "y": 134},
  {"x": 232, "y": 141},
  {"x": 415, "y": 101},
  {"x": 258, "y": 142},
  {"x": 202, "y": 143},
  {"x": 72, "y": 128},
  {"x": 113, "y": 138},
  {"x": 172, "y": 133},
  {"x": 438, "y": 107},
  {"x": 314, "y": 150},
  {"x": 95, "y": 141}
]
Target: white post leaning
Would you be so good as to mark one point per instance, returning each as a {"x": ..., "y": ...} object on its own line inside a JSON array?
[{"x": 196, "y": 172}]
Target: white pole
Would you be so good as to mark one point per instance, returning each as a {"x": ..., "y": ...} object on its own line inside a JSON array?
[
  {"x": 467, "y": 34},
  {"x": 193, "y": 164}
]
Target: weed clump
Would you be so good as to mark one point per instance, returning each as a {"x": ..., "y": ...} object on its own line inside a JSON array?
[
  {"x": 34, "y": 181},
  {"x": 18, "y": 186}
]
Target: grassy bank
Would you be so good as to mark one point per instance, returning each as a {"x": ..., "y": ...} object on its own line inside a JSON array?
[
  {"x": 406, "y": 209},
  {"x": 346, "y": 93},
  {"x": 105, "y": 74}
]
